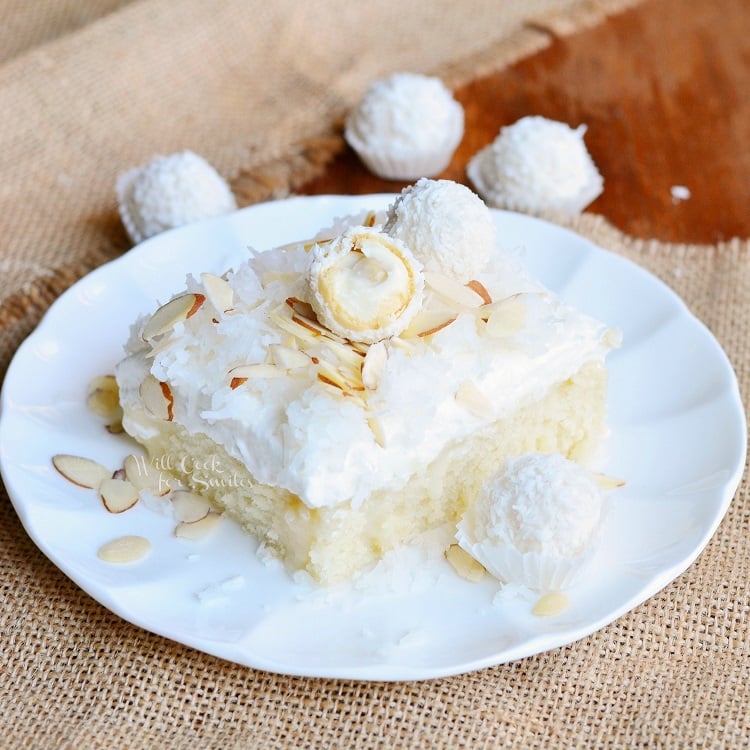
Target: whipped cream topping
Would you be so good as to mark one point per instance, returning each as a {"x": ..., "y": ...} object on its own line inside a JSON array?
[
  {"x": 305, "y": 421},
  {"x": 536, "y": 165}
]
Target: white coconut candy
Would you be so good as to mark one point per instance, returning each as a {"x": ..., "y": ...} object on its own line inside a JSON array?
[
  {"x": 171, "y": 191},
  {"x": 447, "y": 227},
  {"x": 536, "y": 165}
]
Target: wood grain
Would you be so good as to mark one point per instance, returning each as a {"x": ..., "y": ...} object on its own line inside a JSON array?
[{"x": 665, "y": 91}]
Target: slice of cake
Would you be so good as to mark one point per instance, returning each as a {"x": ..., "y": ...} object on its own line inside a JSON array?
[{"x": 337, "y": 397}]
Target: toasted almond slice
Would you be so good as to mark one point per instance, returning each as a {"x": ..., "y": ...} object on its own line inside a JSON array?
[
  {"x": 506, "y": 318},
  {"x": 189, "y": 507},
  {"x": 170, "y": 314},
  {"x": 81, "y": 471},
  {"x": 472, "y": 399},
  {"x": 373, "y": 365},
  {"x": 219, "y": 292},
  {"x": 369, "y": 220},
  {"x": 551, "y": 604},
  {"x": 115, "y": 428},
  {"x": 157, "y": 398},
  {"x": 451, "y": 291},
  {"x": 481, "y": 290},
  {"x": 124, "y": 550},
  {"x": 235, "y": 383},
  {"x": 464, "y": 564},
  {"x": 144, "y": 476},
  {"x": 608, "y": 483},
  {"x": 300, "y": 307},
  {"x": 198, "y": 529},
  {"x": 428, "y": 322},
  {"x": 288, "y": 357},
  {"x": 119, "y": 474},
  {"x": 118, "y": 495},
  {"x": 330, "y": 374}
]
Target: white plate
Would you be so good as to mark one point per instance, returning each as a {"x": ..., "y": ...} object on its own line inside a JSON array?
[{"x": 678, "y": 437}]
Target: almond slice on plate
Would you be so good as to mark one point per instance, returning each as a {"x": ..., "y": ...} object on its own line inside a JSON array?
[
  {"x": 197, "y": 530},
  {"x": 144, "y": 476},
  {"x": 551, "y": 604},
  {"x": 373, "y": 365},
  {"x": 81, "y": 471},
  {"x": 464, "y": 564},
  {"x": 170, "y": 314},
  {"x": 118, "y": 495},
  {"x": 608, "y": 483},
  {"x": 189, "y": 507},
  {"x": 124, "y": 550},
  {"x": 103, "y": 398}
]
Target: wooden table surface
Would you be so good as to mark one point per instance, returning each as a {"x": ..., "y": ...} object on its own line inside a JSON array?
[{"x": 665, "y": 91}]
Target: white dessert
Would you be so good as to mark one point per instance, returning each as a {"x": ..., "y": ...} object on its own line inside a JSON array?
[
  {"x": 536, "y": 165},
  {"x": 406, "y": 126},
  {"x": 447, "y": 227},
  {"x": 171, "y": 191},
  {"x": 533, "y": 522},
  {"x": 332, "y": 450}
]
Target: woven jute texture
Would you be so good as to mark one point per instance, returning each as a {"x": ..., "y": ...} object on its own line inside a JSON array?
[{"x": 258, "y": 88}]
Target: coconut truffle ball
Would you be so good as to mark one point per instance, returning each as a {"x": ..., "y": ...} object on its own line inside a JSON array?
[
  {"x": 447, "y": 227},
  {"x": 171, "y": 191},
  {"x": 534, "y": 521},
  {"x": 536, "y": 165},
  {"x": 406, "y": 126}
]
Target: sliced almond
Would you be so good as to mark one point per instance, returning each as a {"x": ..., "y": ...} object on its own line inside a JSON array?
[
  {"x": 235, "y": 383},
  {"x": 118, "y": 495},
  {"x": 300, "y": 307},
  {"x": 378, "y": 431},
  {"x": 608, "y": 483},
  {"x": 198, "y": 529},
  {"x": 157, "y": 398},
  {"x": 373, "y": 365},
  {"x": 507, "y": 317},
  {"x": 428, "y": 322},
  {"x": 261, "y": 370},
  {"x": 464, "y": 564},
  {"x": 288, "y": 357},
  {"x": 551, "y": 604},
  {"x": 115, "y": 428},
  {"x": 481, "y": 290},
  {"x": 103, "y": 398},
  {"x": 81, "y": 471},
  {"x": 331, "y": 375},
  {"x": 119, "y": 474},
  {"x": 369, "y": 220},
  {"x": 452, "y": 291},
  {"x": 219, "y": 292},
  {"x": 124, "y": 550},
  {"x": 170, "y": 314},
  {"x": 189, "y": 507},
  {"x": 473, "y": 400},
  {"x": 144, "y": 476}
]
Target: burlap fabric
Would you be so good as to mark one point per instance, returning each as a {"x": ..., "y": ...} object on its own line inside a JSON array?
[{"x": 257, "y": 89}]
